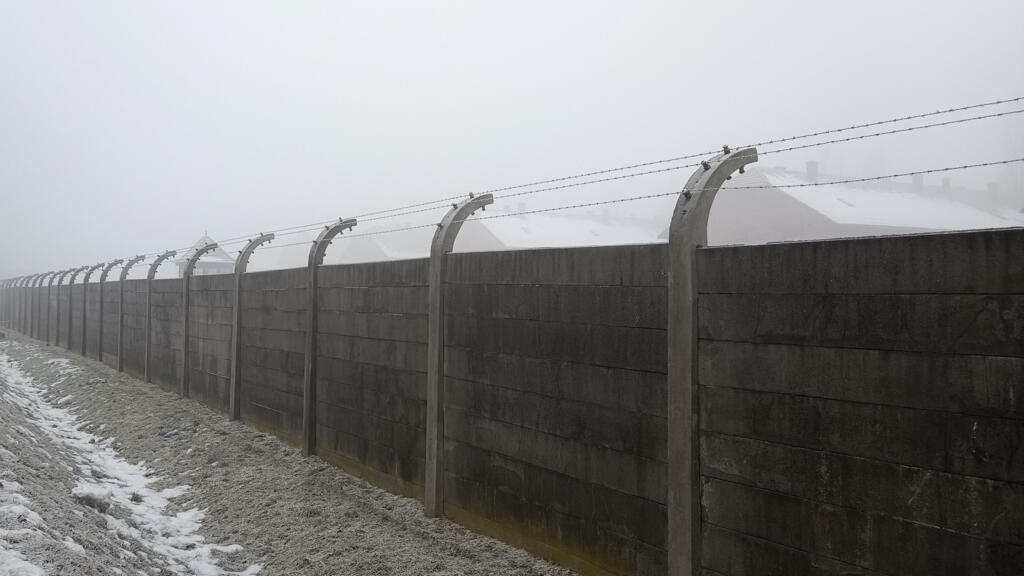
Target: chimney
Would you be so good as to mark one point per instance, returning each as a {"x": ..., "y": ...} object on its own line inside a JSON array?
[
  {"x": 812, "y": 171},
  {"x": 917, "y": 183},
  {"x": 947, "y": 187}
]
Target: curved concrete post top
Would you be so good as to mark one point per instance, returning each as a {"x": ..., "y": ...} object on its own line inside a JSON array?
[
  {"x": 191, "y": 263},
  {"x": 128, "y": 266},
  {"x": 243, "y": 257},
  {"x": 693, "y": 207},
  {"x": 159, "y": 260},
  {"x": 107, "y": 267},
  {"x": 90, "y": 270},
  {"x": 75, "y": 273},
  {"x": 319, "y": 247},
  {"x": 448, "y": 228},
  {"x": 63, "y": 275},
  {"x": 39, "y": 279},
  {"x": 58, "y": 274}
]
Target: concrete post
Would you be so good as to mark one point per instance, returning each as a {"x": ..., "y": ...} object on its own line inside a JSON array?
[
  {"x": 71, "y": 301},
  {"x": 49, "y": 298},
  {"x": 234, "y": 410},
  {"x": 3, "y": 302},
  {"x": 16, "y": 303},
  {"x": 85, "y": 304},
  {"x": 38, "y": 332},
  {"x": 30, "y": 303},
  {"x": 26, "y": 303},
  {"x": 120, "y": 309},
  {"x": 687, "y": 232},
  {"x": 103, "y": 278},
  {"x": 149, "y": 306},
  {"x": 186, "y": 276},
  {"x": 442, "y": 245},
  {"x": 33, "y": 304},
  {"x": 56, "y": 336},
  {"x": 316, "y": 258}
]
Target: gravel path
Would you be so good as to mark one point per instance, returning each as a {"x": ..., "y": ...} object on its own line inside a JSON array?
[{"x": 90, "y": 485}]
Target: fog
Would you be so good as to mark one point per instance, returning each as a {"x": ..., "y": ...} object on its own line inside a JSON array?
[{"x": 132, "y": 127}]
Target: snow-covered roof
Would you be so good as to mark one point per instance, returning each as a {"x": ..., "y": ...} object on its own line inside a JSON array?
[
  {"x": 875, "y": 206},
  {"x": 558, "y": 229},
  {"x": 216, "y": 255}
]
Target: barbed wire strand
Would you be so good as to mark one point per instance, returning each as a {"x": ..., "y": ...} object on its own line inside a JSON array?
[
  {"x": 447, "y": 199},
  {"x": 423, "y": 205}
]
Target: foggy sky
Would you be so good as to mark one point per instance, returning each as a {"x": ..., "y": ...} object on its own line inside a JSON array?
[{"x": 129, "y": 127}]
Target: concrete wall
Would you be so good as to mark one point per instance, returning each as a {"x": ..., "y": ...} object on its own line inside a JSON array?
[
  {"x": 210, "y": 316},
  {"x": 77, "y": 300},
  {"x": 860, "y": 406},
  {"x": 134, "y": 337},
  {"x": 371, "y": 385},
  {"x": 92, "y": 320},
  {"x": 110, "y": 319},
  {"x": 165, "y": 334},
  {"x": 555, "y": 414},
  {"x": 273, "y": 335},
  {"x": 62, "y": 320},
  {"x": 859, "y": 401}
]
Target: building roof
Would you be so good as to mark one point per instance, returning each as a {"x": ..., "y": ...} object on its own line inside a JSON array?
[
  {"x": 217, "y": 255},
  {"x": 872, "y": 204}
]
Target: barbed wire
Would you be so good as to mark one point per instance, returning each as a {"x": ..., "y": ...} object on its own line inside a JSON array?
[
  {"x": 680, "y": 191},
  {"x": 433, "y": 204},
  {"x": 436, "y": 204}
]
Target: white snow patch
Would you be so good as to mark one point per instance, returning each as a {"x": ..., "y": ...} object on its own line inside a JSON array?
[
  {"x": 13, "y": 564},
  {"x": 111, "y": 484},
  {"x": 63, "y": 366},
  {"x": 73, "y": 546},
  {"x": 15, "y": 506}
]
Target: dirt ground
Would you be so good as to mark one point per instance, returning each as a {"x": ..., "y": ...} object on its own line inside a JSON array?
[{"x": 95, "y": 481}]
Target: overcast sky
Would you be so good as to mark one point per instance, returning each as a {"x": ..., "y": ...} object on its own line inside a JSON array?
[{"x": 130, "y": 127}]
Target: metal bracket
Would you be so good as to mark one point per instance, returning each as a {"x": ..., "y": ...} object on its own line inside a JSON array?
[
  {"x": 107, "y": 268},
  {"x": 194, "y": 258},
  {"x": 128, "y": 266},
  {"x": 243, "y": 258},
  {"x": 89, "y": 271},
  {"x": 159, "y": 260},
  {"x": 323, "y": 240}
]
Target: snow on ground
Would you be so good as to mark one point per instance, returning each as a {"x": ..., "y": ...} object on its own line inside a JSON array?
[
  {"x": 91, "y": 485},
  {"x": 120, "y": 492}
]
